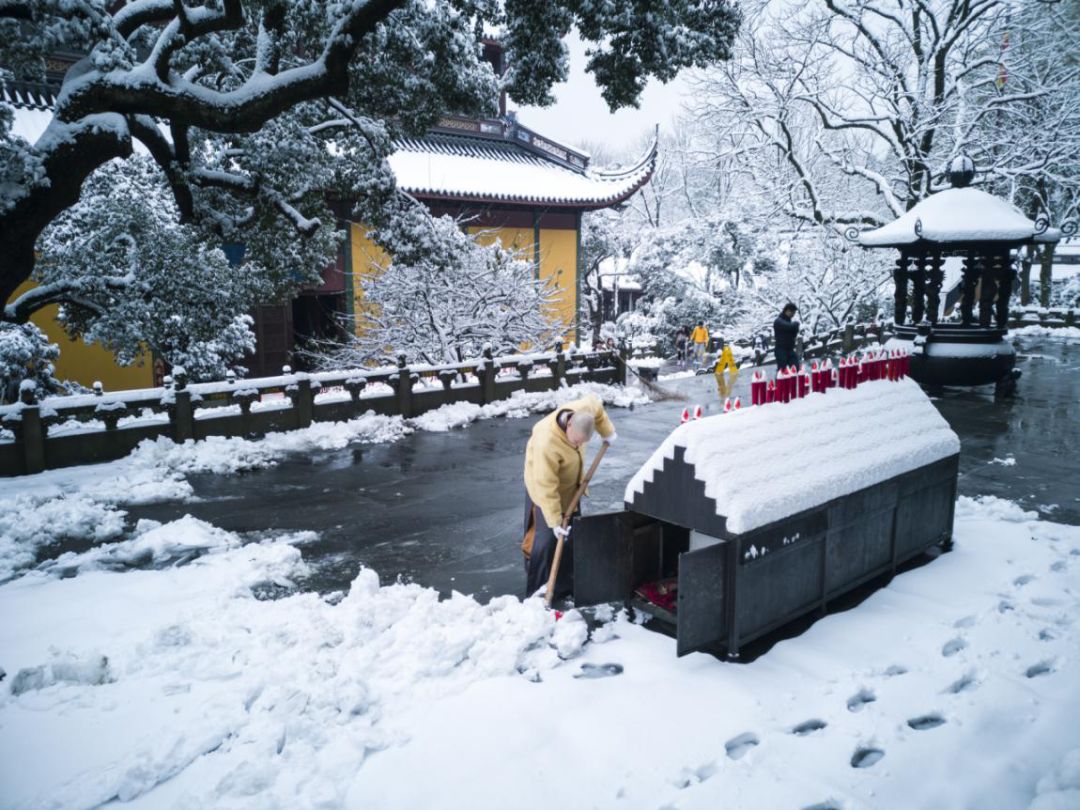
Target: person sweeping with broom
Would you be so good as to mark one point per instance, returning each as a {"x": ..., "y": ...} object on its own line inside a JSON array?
[{"x": 555, "y": 479}]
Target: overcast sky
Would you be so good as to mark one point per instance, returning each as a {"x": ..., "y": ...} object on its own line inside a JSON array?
[{"x": 580, "y": 116}]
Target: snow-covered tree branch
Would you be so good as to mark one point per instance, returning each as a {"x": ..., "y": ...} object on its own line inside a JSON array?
[{"x": 259, "y": 89}]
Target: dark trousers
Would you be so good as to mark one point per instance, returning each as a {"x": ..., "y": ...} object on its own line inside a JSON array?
[
  {"x": 539, "y": 558},
  {"x": 785, "y": 358}
]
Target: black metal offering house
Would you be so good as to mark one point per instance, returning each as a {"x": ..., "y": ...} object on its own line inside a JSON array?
[
  {"x": 742, "y": 522},
  {"x": 980, "y": 234}
]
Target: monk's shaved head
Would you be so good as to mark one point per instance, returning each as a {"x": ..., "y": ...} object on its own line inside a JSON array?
[{"x": 580, "y": 427}]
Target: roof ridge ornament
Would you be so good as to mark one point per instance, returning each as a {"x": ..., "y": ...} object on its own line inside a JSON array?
[{"x": 961, "y": 171}]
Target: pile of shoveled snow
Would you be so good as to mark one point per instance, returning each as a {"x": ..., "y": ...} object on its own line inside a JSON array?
[
  {"x": 955, "y": 686},
  {"x": 84, "y": 503},
  {"x": 524, "y": 403},
  {"x": 120, "y": 682}
]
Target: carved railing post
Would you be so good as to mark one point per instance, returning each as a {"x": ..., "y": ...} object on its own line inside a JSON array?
[
  {"x": 302, "y": 395},
  {"x": 558, "y": 366},
  {"x": 182, "y": 412},
  {"x": 29, "y": 428},
  {"x": 487, "y": 377},
  {"x": 403, "y": 382}
]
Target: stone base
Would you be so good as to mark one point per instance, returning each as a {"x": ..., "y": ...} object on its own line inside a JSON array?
[{"x": 954, "y": 355}]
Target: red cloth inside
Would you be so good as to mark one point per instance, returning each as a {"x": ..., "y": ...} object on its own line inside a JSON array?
[{"x": 664, "y": 593}]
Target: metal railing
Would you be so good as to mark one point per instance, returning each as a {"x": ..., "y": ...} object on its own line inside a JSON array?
[{"x": 63, "y": 431}]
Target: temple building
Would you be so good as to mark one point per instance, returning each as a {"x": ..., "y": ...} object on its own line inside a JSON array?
[{"x": 502, "y": 180}]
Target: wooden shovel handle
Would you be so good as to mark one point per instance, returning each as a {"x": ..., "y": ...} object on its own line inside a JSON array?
[{"x": 550, "y": 592}]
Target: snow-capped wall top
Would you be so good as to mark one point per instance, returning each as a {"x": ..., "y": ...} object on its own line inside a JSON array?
[
  {"x": 957, "y": 215},
  {"x": 765, "y": 463}
]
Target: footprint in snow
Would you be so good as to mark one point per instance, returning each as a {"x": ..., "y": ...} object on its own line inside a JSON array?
[
  {"x": 857, "y": 701},
  {"x": 964, "y": 684},
  {"x": 926, "y": 721},
  {"x": 808, "y": 727},
  {"x": 1046, "y": 601},
  {"x": 894, "y": 670},
  {"x": 826, "y": 805},
  {"x": 1020, "y": 582},
  {"x": 865, "y": 757},
  {"x": 1004, "y": 606},
  {"x": 952, "y": 647},
  {"x": 737, "y": 747},
  {"x": 599, "y": 671},
  {"x": 1059, "y": 566},
  {"x": 967, "y": 621},
  {"x": 695, "y": 776},
  {"x": 1041, "y": 668},
  {"x": 1046, "y": 635}
]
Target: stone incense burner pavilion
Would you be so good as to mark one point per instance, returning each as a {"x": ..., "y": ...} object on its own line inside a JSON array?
[{"x": 981, "y": 233}]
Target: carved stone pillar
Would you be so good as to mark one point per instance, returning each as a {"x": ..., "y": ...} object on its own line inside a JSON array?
[
  {"x": 918, "y": 288},
  {"x": 990, "y": 271},
  {"x": 972, "y": 270},
  {"x": 1006, "y": 274},
  {"x": 933, "y": 287},
  {"x": 900, "y": 289}
]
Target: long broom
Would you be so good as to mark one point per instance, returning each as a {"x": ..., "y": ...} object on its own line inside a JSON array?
[
  {"x": 660, "y": 394},
  {"x": 549, "y": 592}
]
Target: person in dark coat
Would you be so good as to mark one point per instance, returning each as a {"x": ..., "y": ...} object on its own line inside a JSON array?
[{"x": 785, "y": 330}]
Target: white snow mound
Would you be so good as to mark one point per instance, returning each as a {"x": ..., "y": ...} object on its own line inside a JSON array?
[{"x": 764, "y": 463}]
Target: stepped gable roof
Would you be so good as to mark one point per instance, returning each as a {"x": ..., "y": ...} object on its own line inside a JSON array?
[
  {"x": 740, "y": 471},
  {"x": 499, "y": 161}
]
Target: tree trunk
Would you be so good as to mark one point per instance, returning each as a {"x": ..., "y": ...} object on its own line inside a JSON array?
[
  {"x": 1046, "y": 266},
  {"x": 1025, "y": 279}
]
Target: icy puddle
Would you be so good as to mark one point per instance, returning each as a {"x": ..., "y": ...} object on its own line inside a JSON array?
[{"x": 210, "y": 682}]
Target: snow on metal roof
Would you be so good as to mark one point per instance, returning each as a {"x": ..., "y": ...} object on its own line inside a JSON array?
[
  {"x": 764, "y": 463},
  {"x": 442, "y": 166},
  {"x": 958, "y": 215}
]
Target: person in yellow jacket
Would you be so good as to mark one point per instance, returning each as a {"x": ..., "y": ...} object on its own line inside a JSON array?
[
  {"x": 700, "y": 340},
  {"x": 726, "y": 360},
  {"x": 554, "y": 467}
]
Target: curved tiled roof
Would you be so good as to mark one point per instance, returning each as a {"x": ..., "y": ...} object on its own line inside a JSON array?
[
  {"x": 496, "y": 162},
  {"x": 456, "y": 167}
]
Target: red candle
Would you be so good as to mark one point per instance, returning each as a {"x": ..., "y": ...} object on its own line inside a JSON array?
[
  {"x": 770, "y": 391},
  {"x": 727, "y": 405},
  {"x": 738, "y": 404},
  {"x": 757, "y": 389},
  {"x": 685, "y": 416},
  {"x": 697, "y": 411}
]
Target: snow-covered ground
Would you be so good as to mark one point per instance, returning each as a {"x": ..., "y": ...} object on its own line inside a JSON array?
[
  {"x": 86, "y": 502},
  {"x": 191, "y": 686},
  {"x": 182, "y": 667}
]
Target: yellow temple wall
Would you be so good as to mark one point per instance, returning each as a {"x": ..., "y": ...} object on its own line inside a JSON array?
[
  {"x": 88, "y": 363},
  {"x": 558, "y": 263}
]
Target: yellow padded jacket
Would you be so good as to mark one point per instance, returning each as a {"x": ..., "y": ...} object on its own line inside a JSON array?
[
  {"x": 699, "y": 335},
  {"x": 554, "y": 467}
]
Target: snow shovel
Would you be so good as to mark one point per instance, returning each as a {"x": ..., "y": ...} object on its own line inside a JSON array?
[{"x": 549, "y": 592}]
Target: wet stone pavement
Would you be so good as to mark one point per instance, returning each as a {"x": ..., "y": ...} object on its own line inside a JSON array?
[{"x": 445, "y": 509}]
